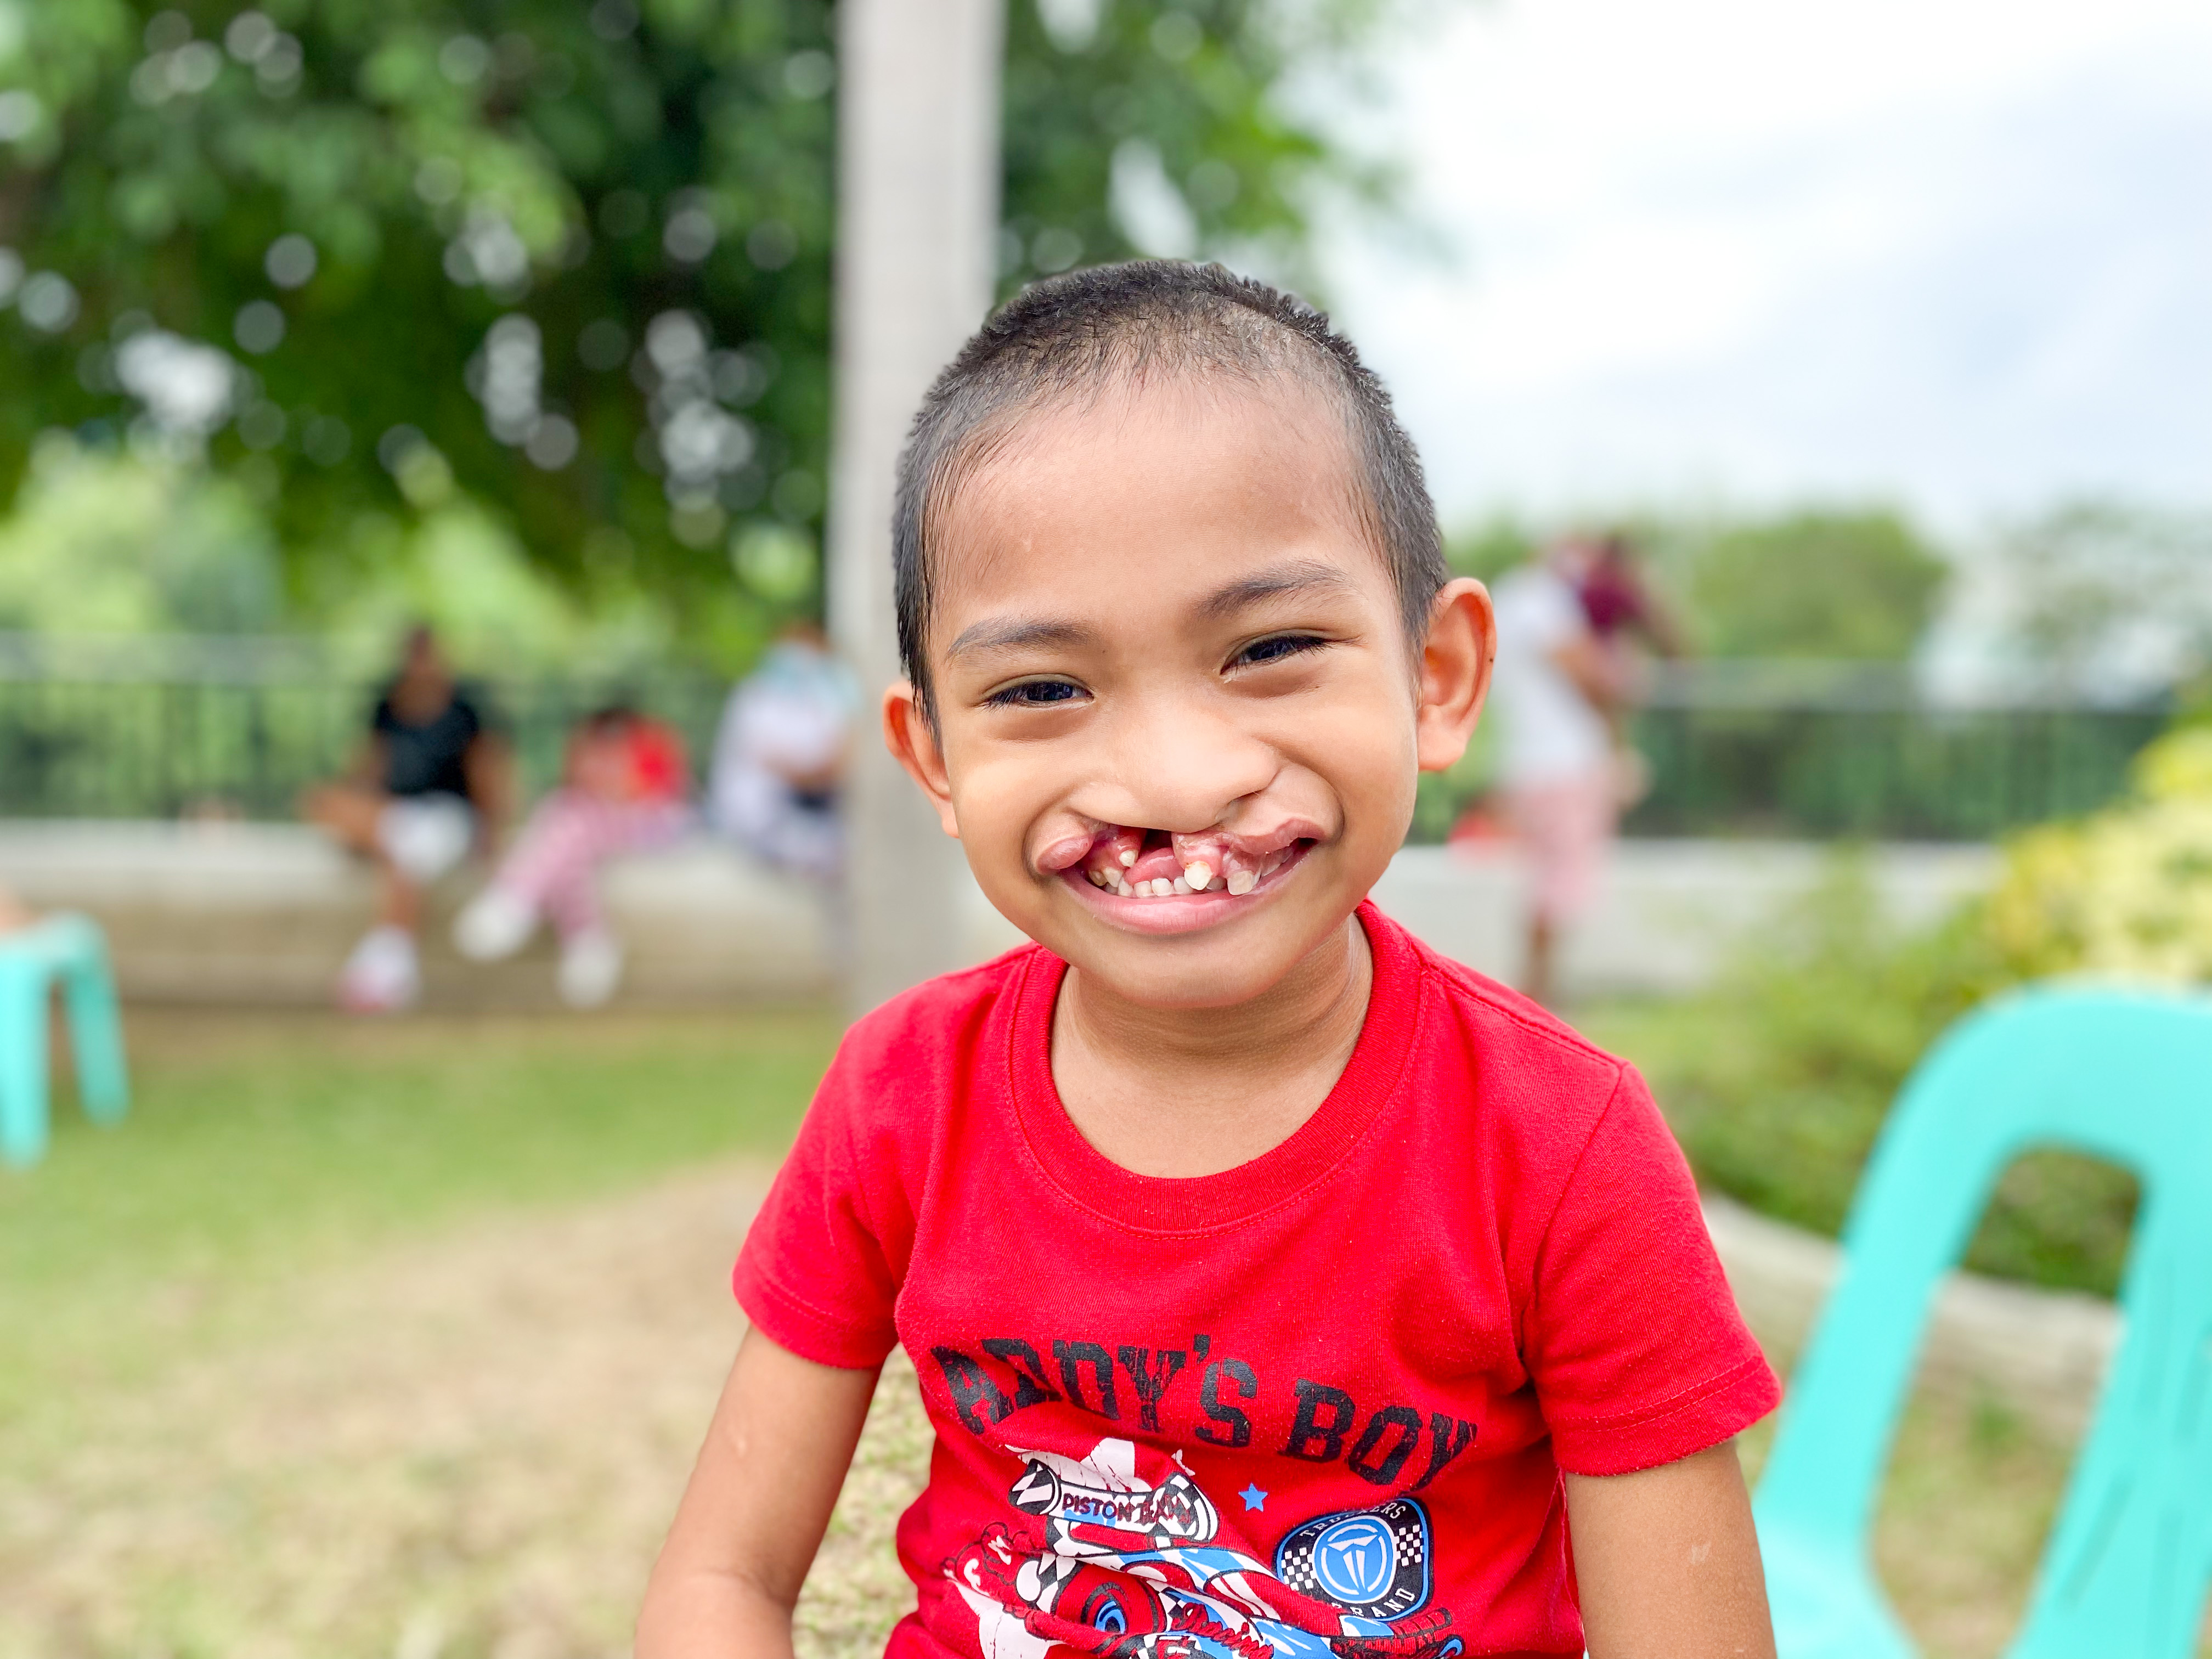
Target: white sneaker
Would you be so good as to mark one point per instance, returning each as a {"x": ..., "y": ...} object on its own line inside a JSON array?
[
  {"x": 591, "y": 967},
  {"x": 382, "y": 976},
  {"x": 492, "y": 925}
]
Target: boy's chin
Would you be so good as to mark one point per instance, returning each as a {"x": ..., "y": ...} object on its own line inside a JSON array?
[{"x": 1187, "y": 987}]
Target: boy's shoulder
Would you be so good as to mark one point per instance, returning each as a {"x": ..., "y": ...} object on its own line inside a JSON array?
[
  {"x": 926, "y": 1038},
  {"x": 1505, "y": 1015},
  {"x": 1531, "y": 1076}
]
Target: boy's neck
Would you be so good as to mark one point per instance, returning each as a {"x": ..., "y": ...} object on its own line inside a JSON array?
[{"x": 1193, "y": 1091}]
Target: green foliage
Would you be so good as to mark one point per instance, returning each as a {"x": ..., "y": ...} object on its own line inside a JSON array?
[
  {"x": 1857, "y": 584},
  {"x": 438, "y": 234},
  {"x": 102, "y": 544},
  {"x": 1853, "y": 582},
  {"x": 2100, "y": 596},
  {"x": 1778, "y": 1078}
]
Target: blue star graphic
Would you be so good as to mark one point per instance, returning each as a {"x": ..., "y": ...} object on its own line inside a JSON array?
[{"x": 1253, "y": 1498}]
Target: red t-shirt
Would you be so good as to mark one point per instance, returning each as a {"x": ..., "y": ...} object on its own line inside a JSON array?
[{"x": 1317, "y": 1405}]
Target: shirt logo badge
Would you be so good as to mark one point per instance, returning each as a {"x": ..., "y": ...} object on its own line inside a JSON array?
[{"x": 1374, "y": 1563}]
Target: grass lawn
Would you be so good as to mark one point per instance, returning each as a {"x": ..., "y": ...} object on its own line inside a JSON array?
[
  {"x": 362, "y": 1339},
  {"x": 262, "y": 1145}
]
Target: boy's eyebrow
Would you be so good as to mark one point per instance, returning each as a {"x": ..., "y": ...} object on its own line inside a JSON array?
[
  {"x": 1015, "y": 632},
  {"x": 1296, "y": 576}
]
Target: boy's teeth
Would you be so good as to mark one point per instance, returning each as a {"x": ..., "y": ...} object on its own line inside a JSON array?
[{"x": 1207, "y": 861}]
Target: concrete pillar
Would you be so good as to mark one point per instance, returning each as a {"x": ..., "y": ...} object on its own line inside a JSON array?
[{"x": 917, "y": 227}]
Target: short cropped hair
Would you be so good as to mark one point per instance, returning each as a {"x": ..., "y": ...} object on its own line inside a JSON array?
[{"x": 1083, "y": 333}]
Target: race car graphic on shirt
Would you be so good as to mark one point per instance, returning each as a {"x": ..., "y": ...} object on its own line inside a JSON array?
[{"x": 1104, "y": 1559}]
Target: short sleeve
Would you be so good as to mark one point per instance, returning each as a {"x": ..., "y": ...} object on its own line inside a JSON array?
[
  {"x": 814, "y": 1275},
  {"x": 1632, "y": 1338}
]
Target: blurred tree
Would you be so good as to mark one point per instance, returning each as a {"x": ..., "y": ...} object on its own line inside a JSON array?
[
  {"x": 103, "y": 544},
  {"x": 1836, "y": 584},
  {"x": 2103, "y": 599},
  {"x": 566, "y": 257}
]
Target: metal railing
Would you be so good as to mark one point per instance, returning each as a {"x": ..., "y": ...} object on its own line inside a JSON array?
[
  {"x": 1827, "y": 750},
  {"x": 169, "y": 727},
  {"x": 164, "y": 727}
]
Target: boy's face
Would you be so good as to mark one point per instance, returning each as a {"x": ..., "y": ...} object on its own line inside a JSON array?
[{"x": 1164, "y": 652}]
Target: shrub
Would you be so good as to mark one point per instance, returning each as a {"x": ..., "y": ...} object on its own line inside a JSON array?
[{"x": 1777, "y": 1079}]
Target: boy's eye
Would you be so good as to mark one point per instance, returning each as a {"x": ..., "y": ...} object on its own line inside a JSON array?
[
  {"x": 1275, "y": 648},
  {"x": 1034, "y": 694}
]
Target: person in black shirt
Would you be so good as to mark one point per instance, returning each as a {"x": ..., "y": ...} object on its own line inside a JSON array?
[{"x": 431, "y": 783}]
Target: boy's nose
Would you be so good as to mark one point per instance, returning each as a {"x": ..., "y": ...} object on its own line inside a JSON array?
[{"x": 1183, "y": 768}]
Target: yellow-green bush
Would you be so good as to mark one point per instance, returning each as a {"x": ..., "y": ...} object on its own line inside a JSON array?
[{"x": 2125, "y": 894}]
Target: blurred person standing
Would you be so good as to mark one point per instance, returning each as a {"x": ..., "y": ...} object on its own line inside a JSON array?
[
  {"x": 1558, "y": 688},
  {"x": 780, "y": 756},
  {"x": 433, "y": 781},
  {"x": 1627, "y": 617},
  {"x": 623, "y": 789}
]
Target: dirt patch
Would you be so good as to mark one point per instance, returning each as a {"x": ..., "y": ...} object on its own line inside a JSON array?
[{"x": 469, "y": 1449}]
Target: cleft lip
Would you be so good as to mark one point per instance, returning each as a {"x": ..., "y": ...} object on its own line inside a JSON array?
[{"x": 1083, "y": 847}]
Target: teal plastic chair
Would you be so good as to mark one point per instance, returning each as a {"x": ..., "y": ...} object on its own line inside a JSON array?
[
  {"x": 69, "y": 949},
  {"x": 2124, "y": 1076}
]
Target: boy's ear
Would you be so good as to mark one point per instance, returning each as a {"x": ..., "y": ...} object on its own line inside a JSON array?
[
  {"x": 1456, "y": 663},
  {"x": 907, "y": 735}
]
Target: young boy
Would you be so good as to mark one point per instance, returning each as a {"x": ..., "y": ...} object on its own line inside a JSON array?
[{"x": 1279, "y": 1289}]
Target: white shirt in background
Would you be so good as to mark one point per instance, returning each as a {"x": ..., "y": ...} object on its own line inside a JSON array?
[
  {"x": 792, "y": 716},
  {"x": 1550, "y": 731}
]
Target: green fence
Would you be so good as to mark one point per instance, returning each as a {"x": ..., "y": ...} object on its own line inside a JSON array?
[
  {"x": 168, "y": 728},
  {"x": 1821, "y": 751}
]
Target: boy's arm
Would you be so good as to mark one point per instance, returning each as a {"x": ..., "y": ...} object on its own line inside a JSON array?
[
  {"x": 1668, "y": 1564},
  {"x": 753, "y": 1513}
]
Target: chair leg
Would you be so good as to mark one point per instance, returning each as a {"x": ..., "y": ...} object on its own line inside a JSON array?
[
  {"x": 103, "y": 1080},
  {"x": 23, "y": 1026}
]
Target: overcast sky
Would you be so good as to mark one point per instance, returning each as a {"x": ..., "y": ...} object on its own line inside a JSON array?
[{"x": 1957, "y": 252}]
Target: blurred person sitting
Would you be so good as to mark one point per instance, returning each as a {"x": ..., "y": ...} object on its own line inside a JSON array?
[
  {"x": 1557, "y": 688},
  {"x": 623, "y": 789},
  {"x": 433, "y": 782},
  {"x": 781, "y": 754}
]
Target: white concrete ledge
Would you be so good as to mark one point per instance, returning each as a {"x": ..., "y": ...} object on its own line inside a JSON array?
[{"x": 264, "y": 913}]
